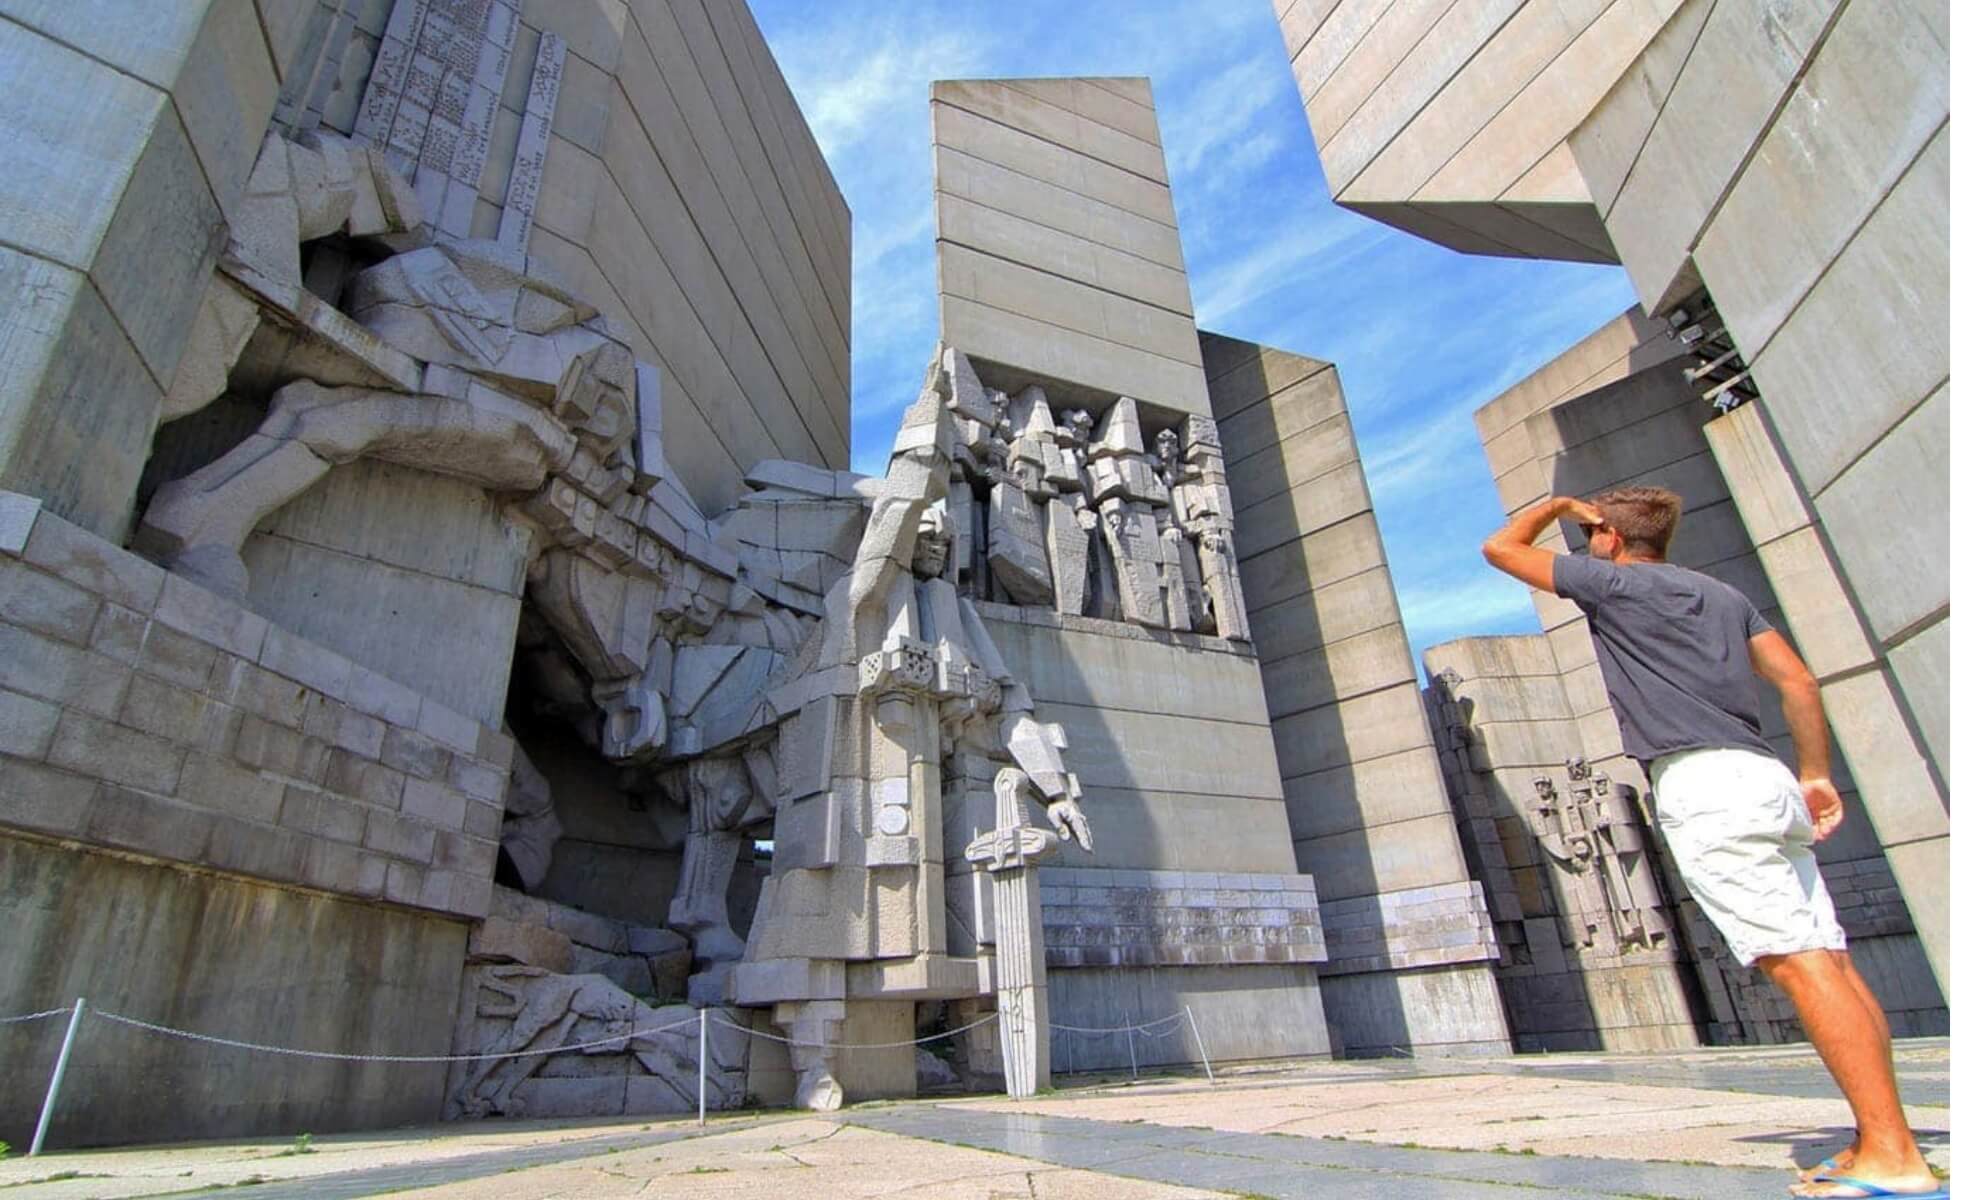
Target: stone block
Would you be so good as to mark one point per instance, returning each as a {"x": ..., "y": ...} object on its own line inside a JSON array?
[
  {"x": 1315, "y": 504},
  {"x": 306, "y": 662},
  {"x": 1393, "y": 857},
  {"x": 1879, "y": 87},
  {"x": 1508, "y": 744},
  {"x": 17, "y": 519},
  {"x": 465, "y": 855},
  {"x": 1922, "y": 668},
  {"x": 1923, "y": 870},
  {"x": 589, "y": 929},
  {"x": 251, "y": 849},
  {"x": 414, "y": 753},
  {"x": 1899, "y": 568},
  {"x": 1320, "y": 558},
  {"x": 161, "y": 245},
  {"x": 497, "y": 939},
  {"x": 434, "y": 803},
  {"x": 389, "y": 833},
  {"x": 1820, "y": 616},
  {"x": 374, "y": 694},
  {"x": 478, "y": 779},
  {"x": 448, "y": 727},
  {"x": 359, "y": 733},
  {"x": 405, "y": 883},
  {"x": 372, "y": 782},
  {"x": 1898, "y": 791},
  {"x": 347, "y": 870},
  {"x": 1367, "y": 726},
  {"x": 323, "y": 815},
  {"x": 1756, "y": 476},
  {"x": 39, "y": 798},
  {"x": 187, "y": 662},
  {"x": 47, "y": 605},
  {"x": 87, "y": 745},
  {"x": 91, "y": 142},
  {"x": 135, "y": 820},
  {"x": 1884, "y": 293},
  {"x": 185, "y": 717},
  {"x": 119, "y": 634},
  {"x": 27, "y": 725},
  {"x": 189, "y": 608},
  {"x": 1366, "y": 792},
  {"x": 80, "y": 405},
  {"x": 91, "y": 563}
]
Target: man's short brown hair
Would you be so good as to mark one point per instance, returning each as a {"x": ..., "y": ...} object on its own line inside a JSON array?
[{"x": 1646, "y": 517}]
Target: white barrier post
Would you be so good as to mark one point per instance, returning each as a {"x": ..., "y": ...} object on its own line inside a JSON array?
[
  {"x": 1199, "y": 1043},
  {"x": 55, "y": 1080},
  {"x": 703, "y": 1077},
  {"x": 1134, "y": 1071}
]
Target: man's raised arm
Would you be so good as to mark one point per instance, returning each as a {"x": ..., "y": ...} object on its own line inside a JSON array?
[{"x": 1512, "y": 550}]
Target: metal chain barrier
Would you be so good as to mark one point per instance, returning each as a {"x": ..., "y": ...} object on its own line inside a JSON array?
[
  {"x": 933, "y": 1037},
  {"x": 40, "y": 1016},
  {"x": 388, "y": 1058}
]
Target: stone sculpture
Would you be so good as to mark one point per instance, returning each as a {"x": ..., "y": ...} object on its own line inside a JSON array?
[
  {"x": 1613, "y": 900},
  {"x": 527, "y": 1015},
  {"x": 1007, "y": 853},
  {"x": 901, "y": 677}
]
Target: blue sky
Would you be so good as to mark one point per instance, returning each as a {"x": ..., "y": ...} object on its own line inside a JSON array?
[{"x": 1422, "y": 336}]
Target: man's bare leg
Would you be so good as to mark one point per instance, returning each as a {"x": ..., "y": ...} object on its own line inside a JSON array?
[
  {"x": 1845, "y": 1158},
  {"x": 1851, "y": 1037}
]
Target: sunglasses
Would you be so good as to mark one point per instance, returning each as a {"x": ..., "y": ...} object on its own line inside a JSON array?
[{"x": 1588, "y": 531}]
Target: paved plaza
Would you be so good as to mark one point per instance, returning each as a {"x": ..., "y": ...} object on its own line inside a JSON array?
[{"x": 1700, "y": 1126}]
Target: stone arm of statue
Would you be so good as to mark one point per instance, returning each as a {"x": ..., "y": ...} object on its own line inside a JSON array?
[{"x": 1036, "y": 748}]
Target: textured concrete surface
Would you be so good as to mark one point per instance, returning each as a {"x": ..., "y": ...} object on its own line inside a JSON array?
[{"x": 1700, "y": 1126}]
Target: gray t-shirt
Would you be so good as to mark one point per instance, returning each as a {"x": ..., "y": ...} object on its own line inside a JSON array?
[{"x": 1672, "y": 645}]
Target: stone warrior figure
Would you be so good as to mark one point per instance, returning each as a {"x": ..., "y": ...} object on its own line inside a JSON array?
[{"x": 900, "y": 681}]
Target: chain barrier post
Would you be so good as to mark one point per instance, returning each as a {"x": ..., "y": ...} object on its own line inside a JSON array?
[
  {"x": 702, "y": 1079},
  {"x": 1134, "y": 1071},
  {"x": 1201, "y": 1053},
  {"x": 55, "y": 1079}
]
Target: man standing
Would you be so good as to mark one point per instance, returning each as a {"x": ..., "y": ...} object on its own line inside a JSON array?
[{"x": 1679, "y": 652}]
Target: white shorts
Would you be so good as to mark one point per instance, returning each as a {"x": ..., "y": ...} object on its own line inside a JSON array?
[{"x": 1740, "y": 833}]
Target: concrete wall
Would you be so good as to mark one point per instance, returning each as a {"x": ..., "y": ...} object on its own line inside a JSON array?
[
  {"x": 1843, "y": 137},
  {"x": 1616, "y": 409},
  {"x": 218, "y": 955},
  {"x": 1450, "y": 118},
  {"x": 1366, "y": 805},
  {"x": 684, "y": 196},
  {"x": 1813, "y": 203},
  {"x": 1169, "y": 737},
  {"x": 1057, "y": 255},
  {"x": 125, "y": 141},
  {"x": 258, "y": 839}
]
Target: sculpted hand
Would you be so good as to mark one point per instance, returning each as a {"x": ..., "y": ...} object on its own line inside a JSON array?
[
  {"x": 1067, "y": 818},
  {"x": 1825, "y": 807}
]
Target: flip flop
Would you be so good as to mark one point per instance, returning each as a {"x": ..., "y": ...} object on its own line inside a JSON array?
[{"x": 1863, "y": 1189}]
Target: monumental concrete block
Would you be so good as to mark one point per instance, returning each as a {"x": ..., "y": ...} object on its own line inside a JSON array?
[
  {"x": 1352, "y": 666},
  {"x": 1899, "y": 567},
  {"x": 1365, "y": 792},
  {"x": 1318, "y": 502},
  {"x": 1878, "y": 88},
  {"x": 1899, "y": 794},
  {"x": 1366, "y": 726},
  {"x": 1322, "y": 557},
  {"x": 225, "y": 94},
  {"x": 1055, "y": 207},
  {"x": 1921, "y": 665},
  {"x": 1385, "y": 858},
  {"x": 1702, "y": 136},
  {"x": 1923, "y": 870},
  {"x": 1820, "y": 617}
]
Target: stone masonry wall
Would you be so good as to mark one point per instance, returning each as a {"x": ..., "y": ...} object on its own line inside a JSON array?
[{"x": 145, "y": 714}]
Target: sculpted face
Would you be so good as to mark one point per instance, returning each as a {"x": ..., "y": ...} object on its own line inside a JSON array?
[{"x": 931, "y": 545}]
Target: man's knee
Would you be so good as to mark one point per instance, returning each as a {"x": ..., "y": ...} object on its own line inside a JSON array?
[{"x": 1802, "y": 966}]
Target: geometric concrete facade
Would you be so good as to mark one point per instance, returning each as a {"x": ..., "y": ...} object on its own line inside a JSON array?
[
  {"x": 1056, "y": 248},
  {"x": 1409, "y": 943},
  {"x": 1810, "y": 206}
]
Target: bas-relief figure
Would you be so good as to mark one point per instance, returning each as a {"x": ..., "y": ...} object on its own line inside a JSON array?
[{"x": 1597, "y": 849}]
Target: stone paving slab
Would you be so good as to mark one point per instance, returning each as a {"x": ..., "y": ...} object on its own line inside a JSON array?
[{"x": 1296, "y": 1166}]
